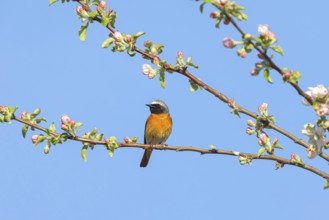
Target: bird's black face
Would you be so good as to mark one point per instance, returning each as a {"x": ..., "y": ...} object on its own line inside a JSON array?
[{"x": 158, "y": 107}]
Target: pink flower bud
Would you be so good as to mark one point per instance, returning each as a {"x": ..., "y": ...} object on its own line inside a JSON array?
[
  {"x": 253, "y": 72},
  {"x": 127, "y": 140},
  {"x": 118, "y": 36},
  {"x": 275, "y": 141},
  {"x": 263, "y": 29},
  {"x": 72, "y": 123},
  {"x": 65, "y": 119},
  {"x": 103, "y": 4},
  {"x": 229, "y": 42},
  {"x": 146, "y": 69},
  {"x": 292, "y": 156},
  {"x": 64, "y": 127},
  {"x": 250, "y": 131},
  {"x": 25, "y": 115},
  {"x": 263, "y": 137},
  {"x": 35, "y": 138},
  {"x": 260, "y": 143},
  {"x": 214, "y": 14},
  {"x": 79, "y": 10},
  {"x": 180, "y": 54}
]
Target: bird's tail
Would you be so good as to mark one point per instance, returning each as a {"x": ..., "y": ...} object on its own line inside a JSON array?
[{"x": 146, "y": 157}]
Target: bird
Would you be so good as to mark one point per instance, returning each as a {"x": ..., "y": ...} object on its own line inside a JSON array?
[{"x": 158, "y": 127}]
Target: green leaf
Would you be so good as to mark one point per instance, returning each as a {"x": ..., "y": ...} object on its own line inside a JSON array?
[
  {"x": 78, "y": 124},
  {"x": 84, "y": 152},
  {"x": 105, "y": 21},
  {"x": 278, "y": 146},
  {"x": 326, "y": 185},
  {"x": 25, "y": 128},
  {"x": 107, "y": 42},
  {"x": 295, "y": 77},
  {"x": 278, "y": 49},
  {"x": 111, "y": 152},
  {"x": 162, "y": 79},
  {"x": 93, "y": 14},
  {"x": 278, "y": 165},
  {"x": 83, "y": 31},
  {"x": 99, "y": 137},
  {"x": 194, "y": 87},
  {"x": 202, "y": 7},
  {"x": 52, "y": 2},
  {"x": 261, "y": 151},
  {"x": 267, "y": 76},
  {"x": 52, "y": 127},
  {"x": 137, "y": 35}
]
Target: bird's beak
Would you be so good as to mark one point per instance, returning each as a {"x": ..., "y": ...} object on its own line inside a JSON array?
[{"x": 149, "y": 105}]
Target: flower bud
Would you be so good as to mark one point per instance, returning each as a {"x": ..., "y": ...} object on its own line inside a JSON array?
[
  {"x": 251, "y": 123},
  {"x": 127, "y": 140},
  {"x": 35, "y": 138},
  {"x": 65, "y": 119},
  {"x": 25, "y": 115},
  {"x": 118, "y": 36},
  {"x": 214, "y": 14},
  {"x": 263, "y": 29},
  {"x": 229, "y": 42},
  {"x": 250, "y": 131}
]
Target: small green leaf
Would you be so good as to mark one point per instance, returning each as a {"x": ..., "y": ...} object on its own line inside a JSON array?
[
  {"x": 202, "y": 7},
  {"x": 137, "y": 35},
  {"x": 278, "y": 146},
  {"x": 162, "y": 79},
  {"x": 278, "y": 49},
  {"x": 267, "y": 76},
  {"x": 52, "y": 2},
  {"x": 326, "y": 185},
  {"x": 52, "y": 127},
  {"x": 295, "y": 77},
  {"x": 78, "y": 124},
  {"x": 83, "y": 31},
  {"x": 93, "y": 14},
  {"x": 107, "y": 42},
  {"x": 278, "y": 165},
  {"x": 99, "y": 137},
  {"x": 84, "y": 152},
  {"x": 261, "y": 151},
  {"x": 111, "y": 152},
  {"x": 194, "y": 87},
  {"x": 105, "y": 21},
  {"x": 24, "y": 130}
]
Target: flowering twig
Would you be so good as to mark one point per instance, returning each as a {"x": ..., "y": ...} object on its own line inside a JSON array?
[
  {"x": 269, "y": 60},
  {"x": 243, "y": 157},
  {"x": 184, "y": 71}
]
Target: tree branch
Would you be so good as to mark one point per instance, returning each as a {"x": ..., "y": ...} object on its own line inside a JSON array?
[
  {"x": 250, "y": 156},
  {"x": 219, "y": 95}
]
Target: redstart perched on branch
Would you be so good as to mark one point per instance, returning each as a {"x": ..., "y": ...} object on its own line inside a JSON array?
[{"x": 157, "y": 128}]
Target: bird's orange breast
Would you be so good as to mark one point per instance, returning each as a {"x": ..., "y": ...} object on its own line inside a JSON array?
[{"x": 157, "y": 128}]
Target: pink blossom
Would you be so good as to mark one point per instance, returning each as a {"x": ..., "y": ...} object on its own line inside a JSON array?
[
  {"x": 117, "y": 35},
  {"x": 253, "y": 72},
  {"x": 24, "y": 115},
  {"x": 229, "y": 42},
  {"x": 35, "y": 138},
  {"x": 65, "y": 119},
  {"x": 263, "y": 137},
  {"x": 79, "y": 9},
  {"x": 263, "y": 29}
]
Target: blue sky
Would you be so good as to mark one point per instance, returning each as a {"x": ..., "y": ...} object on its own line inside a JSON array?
[{"x": 44, "y": 64}]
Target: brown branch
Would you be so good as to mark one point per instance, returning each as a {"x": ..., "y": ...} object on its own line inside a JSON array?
[
  {"x": 217, "y": 94},
  {"x": 268, "y": 59},
  {"x": 278, "y": 159}
]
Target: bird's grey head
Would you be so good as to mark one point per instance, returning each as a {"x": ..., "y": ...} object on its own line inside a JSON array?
[{"x": 158, "y": 107}]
